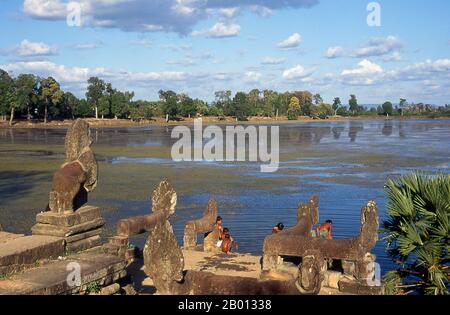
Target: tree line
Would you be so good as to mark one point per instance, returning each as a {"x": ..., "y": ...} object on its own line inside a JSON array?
[{"x": 33, "y": 97}]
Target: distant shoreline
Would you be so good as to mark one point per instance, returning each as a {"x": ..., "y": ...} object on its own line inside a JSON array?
[{"x": 118, "y": 123}]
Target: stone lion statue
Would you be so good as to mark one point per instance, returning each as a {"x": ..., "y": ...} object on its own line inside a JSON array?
[{"x": 78, "y": 175}]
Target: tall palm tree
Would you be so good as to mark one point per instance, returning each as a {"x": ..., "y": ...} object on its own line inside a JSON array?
[{"x": 417, "y": 232}]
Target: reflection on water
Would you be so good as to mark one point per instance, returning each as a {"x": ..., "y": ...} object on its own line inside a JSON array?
[{"x": 344, "y": 163}]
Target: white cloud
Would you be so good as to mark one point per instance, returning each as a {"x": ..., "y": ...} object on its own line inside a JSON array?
[
  {"x": 151, "y": 27},
  {"x": 292, "y": 41},
  {"x": 28, "y": 48},
  {"x": 59, "y": 72},
  {"x": 334, "y": 52},
  {"x": 252, "y": 76},
  {"x": 395, "y": 56},
  {"x": 364, "y": 67},
  {"x": 219, "y": 30},
  {"x": 378, "y": 47},
  {"x": 182, "y": 62},
  {"x": 87, "y": 46},
  {"x": 262, "y": 10},
  {"x": 157, "y": 15},
  {"x": 296, "y": 72},
  {"x": 273, "y": 61},
  {"x": 81, "y": 74},
  {"x": 45, "y": 9},
  {"x": 367, "y": 73},
  {"x": 229, "y": 12},
  {"x": 439, "y": 68}
]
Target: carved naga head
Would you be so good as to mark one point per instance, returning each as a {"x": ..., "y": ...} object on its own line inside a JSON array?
[{"x": 78, "y": 140}]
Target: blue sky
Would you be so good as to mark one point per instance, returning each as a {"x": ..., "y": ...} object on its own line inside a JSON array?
[{"x": 200, "y": 46}]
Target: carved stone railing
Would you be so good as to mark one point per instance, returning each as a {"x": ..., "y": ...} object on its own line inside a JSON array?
[
  {"x": 164, "y": 264},
  {"x": 355, "y": 250},
  {"x": 164, "y": 200},
  {"x": 202, "y": 225}
]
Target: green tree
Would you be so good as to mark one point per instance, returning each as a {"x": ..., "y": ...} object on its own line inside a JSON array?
[
  {"x": 240, "y": 106},
  {"x": 83, "y": 109},
  {"x": 317, "y": 99},
  {"x": 387, "y": 108},
  {"x": 103, "y": 105},
  {"x": 169, "y": 101},
  {"x": 201, "y": 107},
  {"x": 254, "y": 101},
  {"x": 187, "y": 106},
  {"x": 142, "y": 110},
  {"x": 223, "y": 99},
  {"x": 120, "y": 103},
  {"x": 403, "y": 103},
  {"x": 353, "y": 104},
  {"x": 51, "y": 94},
  {"x": 294, "y": 108},
  {"x": 69, "y": 104},
  {"x": 342, "y": 111},
  {"x": 305, "y": 98},
  {"x": 336, "y": 104},
  {"x": 324, "y": 111},
  {"x": 270, "y": 103},
  {"x": 6, "y": 90},
  {"x": 417, "y": 232},
  {"x": 26, "y": 89},
  {"x": 96, "y": 88}
]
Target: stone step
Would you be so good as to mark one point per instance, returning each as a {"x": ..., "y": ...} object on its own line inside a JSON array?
[
  {"x": 6, "y": 237},
  {"x": 63, "y": 231},
  {"x": 51, "y": 279},
  {"x": 22, "y": 252},
  {"x": 83, "y": 215}
]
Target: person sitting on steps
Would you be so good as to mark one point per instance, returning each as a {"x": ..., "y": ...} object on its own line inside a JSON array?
[
  {"x": 278, "y": 228},
  {"x": 325, "y": 230},
  {"x": 228, "y": 242}
]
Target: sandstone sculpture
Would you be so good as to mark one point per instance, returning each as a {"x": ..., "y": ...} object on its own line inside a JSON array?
[
  {"x": 68, "y": 217},
  {"x": 164, "y": 263},
  {"x": 203, "y": 225},
  {"x": 164, "y": 201},
  {"x": 78, "y": 175},
  {"x": 354, "y": 253}
]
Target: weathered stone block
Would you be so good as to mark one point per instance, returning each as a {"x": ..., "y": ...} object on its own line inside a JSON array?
[
  {"x": 110, "y": 290},
  {"x": 210, "y": 242},
  {"x": 119, "y": 240},
  {"x": 331, "y": 279},
  {"x": 202, "y": 225},
  {"x": 6, "y": 237},
  {"x": 84, "y": 244},
  {"x": 51, "y": 279},
  {"x": 359, "y": 287},
  {"x": 83, "y": 235},
  {"x": 23, "y": 252},
  {"x": 53, "y": 230},
  {"x": 82, "y": 215}
]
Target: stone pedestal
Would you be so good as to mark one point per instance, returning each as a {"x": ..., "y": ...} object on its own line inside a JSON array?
[{"x": 80, "y": 229}]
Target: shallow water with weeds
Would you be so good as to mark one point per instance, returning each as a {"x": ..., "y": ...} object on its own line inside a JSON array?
[{"x": 344, "y": 163}]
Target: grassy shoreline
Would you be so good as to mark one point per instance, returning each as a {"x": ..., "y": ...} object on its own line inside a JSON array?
[{"x": 115, "y": 123}]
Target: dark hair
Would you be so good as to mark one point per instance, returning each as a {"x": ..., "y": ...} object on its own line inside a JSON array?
[
  {"x": 226, "y": 230},
  {"x": 219, "y": 218},
  {"x": 329, "y": 221},
  {"x": 280, "y": 226}
]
